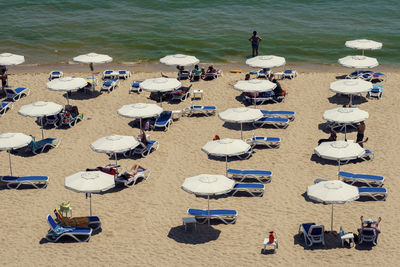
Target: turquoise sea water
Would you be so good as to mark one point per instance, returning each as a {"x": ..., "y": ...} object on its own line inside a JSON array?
[{"x": 47, "y": 31}]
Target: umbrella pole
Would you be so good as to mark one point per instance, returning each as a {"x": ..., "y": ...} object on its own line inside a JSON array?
[
  {"x": 116, "y": 159},
  {"x": 67, "y": 98},
  {"x": 160, "y": 100},
  {"x": 9, "y": 159},
  {"x": 241, "y": 131},
  {"x": 332, "y": 219},
  {"x": 226, "y": 163},
  {"x": 41, "y": 126},
  {"x": 208, "y": 209},
  {"x": 140, "y": 123},
  {"x": 338, "y": 168},
  {"x": 90, "y": 198}
]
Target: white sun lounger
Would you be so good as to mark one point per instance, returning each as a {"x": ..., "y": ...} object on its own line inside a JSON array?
[
  {"x": 17, "y": 93},
  {"x": 279, "y": 114},
  {"x": 164, "y": 120},
  {"x": 55, "y": 74},
  {"x": 57, "y": 232},
  {"x": 270, "y": 142},
  {"x": 206, "y": 110},
  {"x": 259, "y": 175},
  {"x": 124, "y": 74},
  {"x": 251, "y": 188},
  {"x": 361, "y": 178},
  {"x": 226, "y": 216},
  {"x": 5, "y": 106},
  {"x": 376, "y": 91},
  {"x": 141, "y": 174},
  {"x": 135, "y": 87},
  {"x": 109, "y": 85},
  {"x": 312, "y": 233},
  {"x": 276, "y": 122},
  {"x": 110, "y": 74},
  {"x": 376, "y": 193},
  {"x": 14, "y": 182},
  {"x": 142, "y": 149},
  {"x": 37, "y": 147},
  {"x": 368, "y": 156},
  {"x": 367, "y": 234}
]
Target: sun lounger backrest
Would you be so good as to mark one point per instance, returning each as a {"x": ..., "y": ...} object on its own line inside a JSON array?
[{"x": 51, "y": 222}]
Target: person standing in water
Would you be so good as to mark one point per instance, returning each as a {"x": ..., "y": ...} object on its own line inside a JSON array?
[{"x": 255, "y": 41}]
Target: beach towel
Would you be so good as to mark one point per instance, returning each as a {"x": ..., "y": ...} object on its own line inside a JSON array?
[{"x": 77, "y": 221}]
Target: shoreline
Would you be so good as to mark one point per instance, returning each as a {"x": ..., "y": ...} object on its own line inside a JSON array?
[{"x": 148, "y": 67}]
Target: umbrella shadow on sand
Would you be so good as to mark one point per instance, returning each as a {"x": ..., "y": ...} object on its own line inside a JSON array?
[
  {"x": 332, "y": 241},
  {"x": 230, "y": 158},
  {"x": 323, "y": 127},
  {"x": 317, "y": 159},
  {"x": 236, "y": 126},
  {"x": 345, "y": 99},
  {"x": 82, "y": 95},
  {"x": 203, "y": 234}
]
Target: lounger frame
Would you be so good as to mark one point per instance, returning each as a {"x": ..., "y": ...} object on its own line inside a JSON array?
[{"x": 15, "y": 184}]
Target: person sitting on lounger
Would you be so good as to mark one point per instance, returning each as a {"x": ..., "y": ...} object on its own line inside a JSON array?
[
  {"x": 247, "y": 77},
  {"x": 331, "y": 138},
  {"x": 211, "y": 69},
  {"x": 196, "y": 73},
  {"x": 143, "y": 138},
  {"x": 278, "y": 90},
  {"x": 133, "y": 171},
  {"x": 368, "y": 224}
]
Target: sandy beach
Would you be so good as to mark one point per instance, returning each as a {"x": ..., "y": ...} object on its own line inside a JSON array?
[{"x": 142, "y": 225}]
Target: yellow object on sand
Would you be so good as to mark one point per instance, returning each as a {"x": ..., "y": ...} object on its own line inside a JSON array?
[{"x": 236, "y": 71}]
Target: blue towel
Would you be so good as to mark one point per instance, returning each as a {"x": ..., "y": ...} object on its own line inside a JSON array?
[{"x": 59, "y": 230}]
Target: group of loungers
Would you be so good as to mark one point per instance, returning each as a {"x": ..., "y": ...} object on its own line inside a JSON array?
[
  {"x": 276, "y": 118},
  {"x": 12, "y": 95},
  {"x": 373, "y": 188},
  {"x": 111, "y": 79}
]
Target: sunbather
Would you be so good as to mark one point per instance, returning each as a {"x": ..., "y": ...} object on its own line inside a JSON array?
[
  {"x": 247, "y": 77},
  {"x": 143, "y": 138},
  {"x": 109, "y": 168},
  {"x": 196, "y": 73},
  {"x": 331, "y": 138},
  {"x": 278, "y": 90},
  {"x": 133, "y": 171},
  {"x": 360, "y": 134},
  {"x": 368, "y": 224}
]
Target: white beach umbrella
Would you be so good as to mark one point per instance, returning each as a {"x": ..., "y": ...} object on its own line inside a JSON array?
[
  {"x": 332, "y": 192},
  {"x": 345, "y": 116},
  {"x": 89, "y": 182},
  {"x": 140, "y": 111},
  {"x": 66, "y": 84},
  {"x": 351, "y": 87},
  {"x": 339, "y": 151},
  {"x": 269, "y": 61},
  {"x": 208, "y": 185},
  {"x": 160, "y": 85},
  {"x": 9, "y": 141},
  {"x": 93, "y": 58},
  {"x": 8, "y": 59},
  {"x": 40, "y": 109},
  {"x": 114, "y": 144},
  {"x": 179, "y": 59},
  {"x": 240, "y": 115},
  {"x": 358, "y": 62},
  {"x": 226, "y": 147},
  {"x": 363, "y": 44},
  {"x": 254, "y": 86}
]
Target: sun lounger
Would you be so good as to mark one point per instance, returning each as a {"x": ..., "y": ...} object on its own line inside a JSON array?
[
  {"x": 252, "y": 189},
  {"x": 110, "y": 74},
  {"x": 312, "y": 233},
  {"x": 276, "y": 122},
  {"x": 358, "y": 74},
  {"x": 370, "y": 180},
  {"x": 55, "y": 74},
  {"x": 367, "y": 234},
  {"x": 86, "y": 221},
  {"x": 286, "y": 74},
  {"x": 14, "y": 182},
  {"x": 206, "y": 110},
  {"x": 142, "y": 149},
  {"x": 67, "y": 118},
  {"x": 131, "y": 181},
  {"x": 376, "y": 193},
  {"x": 376, "y": 91},
  {"x": 5, "y": 106},
  {"x": 135, "y": 87},
  {"x": 17, "y": 93},
  {"x": 262, "y": 74},
  {"x": 52, "y": 120},
  {"x": 227, "y": 216},
  {"x": 164, "y": 120},
  {"x": 56, "y": 232},
  {"x": 270, "y": 142},
  {"x": 373, "y": 76},
  {"x": 124, "y": 74},
  {"x": 369, "y": 155},
  {"x": 259, "y": 175},
  {"x": 261, "y": 98},
  {"x": 184, "y": 74},
  {"x": 109, "y": 85},
  {"x": 37, "y": 147},
  {"x": 180, "y": 94},
  {"x": 279, "y": 114}
]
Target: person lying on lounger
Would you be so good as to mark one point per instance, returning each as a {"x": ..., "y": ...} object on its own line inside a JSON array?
[
  {"x": 109, "y": 168},
  {"x": 133, "y": 171}
]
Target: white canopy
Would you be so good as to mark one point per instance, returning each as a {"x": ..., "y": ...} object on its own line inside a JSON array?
[
  {"x": 254, "y": 85},
  {"x": 114, "y": 144},
  {"x": 345, "y": 115},
  {"x": 339, "y": 150},
  {"x": 269, "y": 61},
  {"x": 160, "y": 84},
  {"x": 240, "y": 115},
  {"x": 351, "y": 86},
  {"x": 140, "y": 110},
  {"x": 93, "y": 58},
  {"x": 10, "y": 141},
  {"x": 66, "y": 84},
  {"x": 332, "y": 192},
  {"x": 179, "y": 59},
  {"x": 7, "y": 59},
  {"x": 89, "y": 182},
  {"x": 226, "y": 147},
  {"x": 40, "y": 109},
  {"x": 208, "y": 184},
  {"x": 358, "y": 62},
  {"x": 363, "y": 44}
]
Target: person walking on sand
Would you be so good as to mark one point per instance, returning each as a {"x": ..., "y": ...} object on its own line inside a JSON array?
[
  {"x": 360, "y": 134},
  {"x": 255, "y": 41}
]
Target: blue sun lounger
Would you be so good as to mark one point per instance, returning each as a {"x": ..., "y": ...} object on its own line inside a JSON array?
[
  {"x": 376, "y": 91},
  {"x": 5, "y": 106},
  {"x": 376, "y": 193},
  {"x": 259, "y": 175},
  {"x": 164, "y": 120},
  {"x": 14, "y": 182},
  {"x": 361, "y": 178},
  {"x": 135, "y": 87},
  {"x": 144, "y": 150},
  {"x": 55, "y": 74},
  {"x": 206, "y": 110},
  {"x": 367, "y": 234},
  {"x": 109, "y": 85},
  {"x": 270, "y": 142},
  {"x": 251, "y": 188},
  {"x": 279, "y": 114},
  {"x": 93, "y": 221},
  {"x": 56, "y": 232},
  {"x": 124, "y": 74},
  {"x": 276, "y": 122},
  {"x": 17, "y": 93},
  {"x": 227, "y": 216},
  {"x": 369, "y": 155},
  {"x": 312, "y": 233},
  {"x": 39, "y": 146}
]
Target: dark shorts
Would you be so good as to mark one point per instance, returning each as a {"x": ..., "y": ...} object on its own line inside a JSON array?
[{"x": 360, "y": 137}]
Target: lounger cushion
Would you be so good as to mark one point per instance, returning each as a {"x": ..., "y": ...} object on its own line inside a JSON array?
[
  {"x": 249, "y": 172},
  {"x": 24, "y": 178},
  {"x": 216, "y": 212},
  {"x": 372, "y": 190},
  {"x": 248, "y": 186}
]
